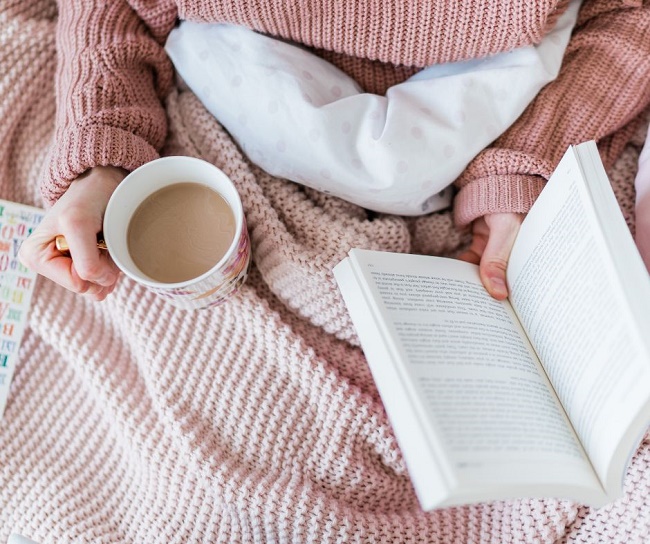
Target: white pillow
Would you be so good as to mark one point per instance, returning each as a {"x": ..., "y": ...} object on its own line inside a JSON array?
[{"x": 299, "y": 117}]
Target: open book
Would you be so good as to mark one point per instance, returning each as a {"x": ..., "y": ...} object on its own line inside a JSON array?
[{"x": 546, "y": 394}]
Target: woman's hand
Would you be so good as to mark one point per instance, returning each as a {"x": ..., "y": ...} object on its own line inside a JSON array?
[
  {"x": 492, "y": 239},
  {"x": 78, "y": 215}
]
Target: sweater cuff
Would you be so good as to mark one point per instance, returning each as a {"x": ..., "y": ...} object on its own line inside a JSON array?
[
  {"x": 496, "y": 194},
  {"x": 81, "y": 148}
]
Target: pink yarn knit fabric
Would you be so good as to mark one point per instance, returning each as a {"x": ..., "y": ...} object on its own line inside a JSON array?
[
  {"x": 111, "y": 57},
  {"x": 258, "y": 421}
]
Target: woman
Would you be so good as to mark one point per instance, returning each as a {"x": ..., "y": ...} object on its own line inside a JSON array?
[{"x": 113, "y": 75}]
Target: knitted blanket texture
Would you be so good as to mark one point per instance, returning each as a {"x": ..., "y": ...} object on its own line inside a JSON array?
[{"x": 257, "y": 421}]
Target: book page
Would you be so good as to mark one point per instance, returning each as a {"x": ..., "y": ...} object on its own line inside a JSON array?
[
  {"x": 16, "y": 286},
  {"x": 478, "y": 388},
  {"x": 567, "y": 296},
  {"x": 431, "y": 474}
]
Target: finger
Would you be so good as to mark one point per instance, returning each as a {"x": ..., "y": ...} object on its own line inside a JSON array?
[
  {"x": 503, "y": 232},
  {"x": 38, "y": 253},
  {"x": 97, "y": 292},
  {"x": 471, "y": 256},
  {"x": 61, "y": 269},
  {"x": 476, "y": 248},
  {"x": 94, "y": 290},
  {"x": 43, "y": 257},
  {"x": 90, "y": 263}
]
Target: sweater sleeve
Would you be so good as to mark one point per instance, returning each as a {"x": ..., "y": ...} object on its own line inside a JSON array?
[
  {"x": 602, "y": 88},
  {"x": 112, "y": 75}
]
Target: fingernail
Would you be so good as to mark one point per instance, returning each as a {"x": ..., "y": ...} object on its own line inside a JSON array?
[
  {"x": 499, "y": 286},
  {"x": 107, "y": 281}
]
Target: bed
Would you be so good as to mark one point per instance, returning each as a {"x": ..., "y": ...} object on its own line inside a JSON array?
[{"x": 256, "y": 421}]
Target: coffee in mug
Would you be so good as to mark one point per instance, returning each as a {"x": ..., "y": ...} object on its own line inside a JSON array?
[
  {"x": 180, "y": 232},
  {"x": 177, "y": 226}
]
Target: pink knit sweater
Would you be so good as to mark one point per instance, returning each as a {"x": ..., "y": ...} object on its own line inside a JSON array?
[{"x": 113, "y": 74}]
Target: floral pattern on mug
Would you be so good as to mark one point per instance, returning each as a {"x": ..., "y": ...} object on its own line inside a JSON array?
[{"x": 218, "y": 286}]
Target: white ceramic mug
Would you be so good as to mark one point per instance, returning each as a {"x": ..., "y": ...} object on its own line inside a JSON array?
[{"x": 225, "y": 277}]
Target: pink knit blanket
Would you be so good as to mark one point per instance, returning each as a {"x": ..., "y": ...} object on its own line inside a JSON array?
[{"x": 257, "y": 421}]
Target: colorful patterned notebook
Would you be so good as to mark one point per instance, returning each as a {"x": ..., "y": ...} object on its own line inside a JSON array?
[{"x": 17, "y": 283}]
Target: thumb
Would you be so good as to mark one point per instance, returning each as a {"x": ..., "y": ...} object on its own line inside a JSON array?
[{"x": 503, "y": 229}]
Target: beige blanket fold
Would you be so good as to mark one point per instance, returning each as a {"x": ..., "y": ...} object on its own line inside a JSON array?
[{"x": 130, "y": 421}]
